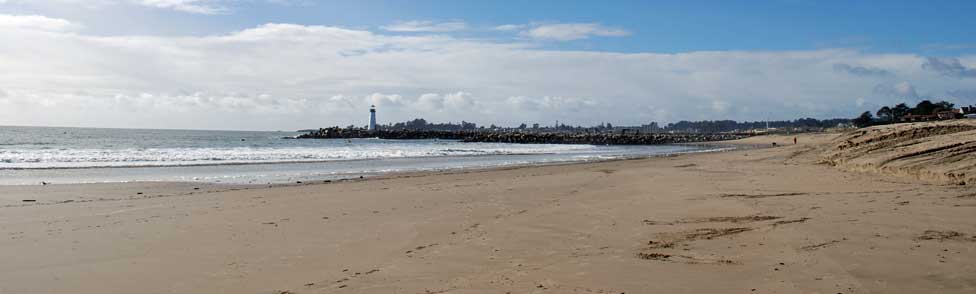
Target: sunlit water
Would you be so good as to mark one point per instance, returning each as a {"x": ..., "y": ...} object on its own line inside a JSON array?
[{"x": 30, "y": 155}]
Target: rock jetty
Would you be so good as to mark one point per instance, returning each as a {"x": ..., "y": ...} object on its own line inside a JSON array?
[
  {"x": 599, "y": 138},
  {"x": 524, "y": 137}
]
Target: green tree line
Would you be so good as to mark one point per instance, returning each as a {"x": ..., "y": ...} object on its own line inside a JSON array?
[{"x": 887, "y": 115}]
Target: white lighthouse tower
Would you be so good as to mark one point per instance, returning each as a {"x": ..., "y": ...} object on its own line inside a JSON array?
[{"x": 372, "y": 118}]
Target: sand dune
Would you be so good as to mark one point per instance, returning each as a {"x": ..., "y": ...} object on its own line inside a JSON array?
[{"x": 934, "y": 152}]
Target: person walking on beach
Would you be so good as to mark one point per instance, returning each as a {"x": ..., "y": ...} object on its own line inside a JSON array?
[{"x": 794, "y": 140}]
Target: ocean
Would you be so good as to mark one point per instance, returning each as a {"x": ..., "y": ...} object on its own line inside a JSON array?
[{"x": 32, "y": 155}]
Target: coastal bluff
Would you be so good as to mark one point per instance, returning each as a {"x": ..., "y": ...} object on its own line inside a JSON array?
[
  {"x": 621, "y": 138},
  {"x": 942, "y": 152}
]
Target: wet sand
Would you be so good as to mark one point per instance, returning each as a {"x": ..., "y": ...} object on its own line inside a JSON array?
[{"x": 752, "y": 221}]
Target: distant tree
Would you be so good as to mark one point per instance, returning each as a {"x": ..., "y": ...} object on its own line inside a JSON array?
[
  {"x": 717, "y": 126},
  {"x": 523, "y": 126},
  {"x": 864, "y": 120},
  {"x": 885, "y": 114},
  {"x": 900, "y": 110},
  {"x": 924, "y": 108},
  {"x": 943, "y": 106},
  {"x": 609, "y": 125},
  {"x": 806, "y": 122}
]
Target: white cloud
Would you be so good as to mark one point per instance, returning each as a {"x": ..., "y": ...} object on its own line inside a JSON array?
[
  {"x": 292, "y": 2},
  {"x": 206, "y": 7},
  {"x": 190, "y": 6},
  {"x": 288, "y": 76},
  {"x": 430, "y": 102},
  {"x": 903, "y": 90},
  {"x": 383, "y": 100},
  {"x": 573, "y": 31},
  {"x": 458, "y": 101},
  {"x": 36, "y": 22},
  {"x": 425, "y": 26},
  {"x": 508, "y": 27},
  {"x": 719, "y": 106},
  {"x": 551, "y": 104}
]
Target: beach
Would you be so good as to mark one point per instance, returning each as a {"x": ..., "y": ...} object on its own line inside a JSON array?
[{"x": 770, "y": 220}]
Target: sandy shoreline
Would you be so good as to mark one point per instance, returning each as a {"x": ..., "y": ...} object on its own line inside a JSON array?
[{"x": 772, "y": 220}]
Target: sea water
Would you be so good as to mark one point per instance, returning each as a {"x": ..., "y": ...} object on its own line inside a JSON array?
[{"x": 32, "y": 155}]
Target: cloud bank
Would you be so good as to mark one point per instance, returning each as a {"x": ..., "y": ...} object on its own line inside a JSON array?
[
  {"x": 950, "y": 67},
  {"x": 860, "y": 70},
  {"x": 290, "y": 76}
]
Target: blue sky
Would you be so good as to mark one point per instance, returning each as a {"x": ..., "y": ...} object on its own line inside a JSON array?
[
  {"x": 930, "y": 27},
  {"x": 270, "y": 64}
]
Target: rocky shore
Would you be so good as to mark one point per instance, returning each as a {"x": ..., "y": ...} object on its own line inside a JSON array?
[{"x": 525, "y": 137}]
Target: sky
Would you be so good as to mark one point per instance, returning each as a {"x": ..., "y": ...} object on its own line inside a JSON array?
[{"x": 295, "y": 64}]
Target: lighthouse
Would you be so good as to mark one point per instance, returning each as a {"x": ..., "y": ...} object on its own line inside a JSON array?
[{"x": 372, "y": 118}]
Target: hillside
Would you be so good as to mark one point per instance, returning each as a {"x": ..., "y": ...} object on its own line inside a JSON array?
[{"x": 941, "y": 152}]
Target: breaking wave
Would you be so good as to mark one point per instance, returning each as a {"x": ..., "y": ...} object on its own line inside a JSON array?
[{"x": 41, "y": 158}]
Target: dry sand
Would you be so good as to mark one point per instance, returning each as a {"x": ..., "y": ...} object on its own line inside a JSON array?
[{"x": 752, "y": 221}]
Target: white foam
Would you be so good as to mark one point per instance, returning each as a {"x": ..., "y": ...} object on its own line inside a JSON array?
[{"x": 82, "y": 158}]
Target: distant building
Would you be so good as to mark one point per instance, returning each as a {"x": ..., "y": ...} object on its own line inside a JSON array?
[
  {"x": 941, "y": 115},
  {"x": 918, "y": 117},
  {"x": 949, "y": 114},
  {"x": 968, "y": 110},
  {"x": 372, "y": 118},
  {"x": 651, "y": 127}
]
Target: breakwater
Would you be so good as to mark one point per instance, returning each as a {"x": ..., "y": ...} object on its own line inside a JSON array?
[
  {"x": 525, "y": 137},
  {"x": 599, "y": 138}
]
